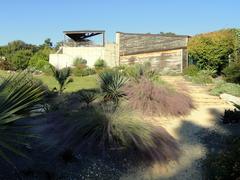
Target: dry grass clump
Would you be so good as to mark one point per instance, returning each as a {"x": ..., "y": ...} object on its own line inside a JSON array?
[
  {"x": 121, "y": 133},
  {"x": 157, "y": 100}
]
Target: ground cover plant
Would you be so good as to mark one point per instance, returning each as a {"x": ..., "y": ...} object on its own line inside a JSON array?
[{"x": 223, "y": 87}]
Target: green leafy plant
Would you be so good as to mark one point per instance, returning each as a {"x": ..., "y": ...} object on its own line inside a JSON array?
[
  {"x": 111, "y": 83},
  {"x": 100, "y": 63},
  {"x": 83, "y": 71},
  {"x": 202, "y": 77},
  {"x": 191, "y": 70},
  {"x": 40, "y": 59},
  {"x": 223, "y": 87},
  {"x": 63, "y": 77},
  {"x": 20, "y": 96},
  {"x": 232, "y": 73},
  {"x": 80, "y": 62},
  {"x": 212, "y": 50}
]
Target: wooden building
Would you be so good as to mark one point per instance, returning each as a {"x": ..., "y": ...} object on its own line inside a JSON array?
[{"x": 167, "y": 53}]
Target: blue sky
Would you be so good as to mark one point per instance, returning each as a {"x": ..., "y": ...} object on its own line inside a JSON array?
[{"x": 35, "y": 20}]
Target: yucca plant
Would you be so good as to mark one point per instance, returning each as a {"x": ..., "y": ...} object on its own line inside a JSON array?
[
  {"x": 111, "y": 83},
  {"x": 87, "y": 96},
  {"x": 20, "y": 96},
  {"x": 63, "y": 77}
]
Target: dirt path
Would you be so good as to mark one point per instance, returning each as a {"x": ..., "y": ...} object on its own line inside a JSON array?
[{"x": 190, "y": 131}]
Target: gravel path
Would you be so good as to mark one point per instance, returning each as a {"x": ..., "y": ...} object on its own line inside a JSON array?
[{"x": 190, "y": 131}]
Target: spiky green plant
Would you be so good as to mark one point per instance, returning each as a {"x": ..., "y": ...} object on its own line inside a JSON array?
[
  {"x": 63, "y": 77},
  {"x": 111, "y": 83},
  {"x": 20, "y": 96},
  {"x": 87, "y": 96}
]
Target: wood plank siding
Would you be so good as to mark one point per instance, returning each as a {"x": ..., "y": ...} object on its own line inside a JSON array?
[{"x": 167, "y": 53}]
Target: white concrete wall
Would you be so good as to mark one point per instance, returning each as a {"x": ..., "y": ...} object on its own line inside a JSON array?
[
  {"x": 60, "y": 60},
  {"x": 91, "y": 54}
]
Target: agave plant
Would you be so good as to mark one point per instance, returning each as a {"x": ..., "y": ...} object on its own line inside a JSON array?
[
  {"x": 63, "y": 77},
  {"x": 20, "y": 96},
  {"x": 111, "y": 83}
]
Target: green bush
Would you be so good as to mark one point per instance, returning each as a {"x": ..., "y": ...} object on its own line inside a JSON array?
[
  {"x": 100, "y": 63},
  {"x": 212, "y": 50},
  {"x": 20, "y": 59},
  {"x": 40, "y": 59},
  {"x": 223, "y": 87},
  {"x": 232, "y": 73},
  {"x": 202, "y": 77},
  {"x": 79, "y": 62},
  {"x": 191, "y": 70},
  {"x": 226, "y": 163},
  {"x": 83, "y": 71}
]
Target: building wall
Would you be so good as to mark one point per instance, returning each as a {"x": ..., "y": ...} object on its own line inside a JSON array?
[
  {"x": 170, "y": 60},
  {"x": 91, "y": 54},
  {"x": 167, "y": 53}
]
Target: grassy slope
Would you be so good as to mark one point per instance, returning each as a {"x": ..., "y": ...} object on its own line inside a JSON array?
[{"x": 78, "y": 82}]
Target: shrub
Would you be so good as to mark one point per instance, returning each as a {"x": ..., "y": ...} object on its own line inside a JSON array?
[
  {"x": 40, "y": 59},
  {"x": 223, "y": 87},
  {"x": 20, "y": 59},
  {"x": 20, "y": 96},
  {"x": 83, "y": 71},
  {"x": 202, "y": 77},
  {"x": 100, "y": 63},
  {"x": 232, "y": 73},
  {"x": 225, "y": 164},
  {"x": 80, "y": 62},
  {"x": 111, "y": 83},
  {"x": 63, "y": 77},
  {"x": 156, "y": 100},
  {"x": 5, "y": 65},
  {"x": 191, "y": 70},
  {"x": 212, "y": 50},
  {"x": 122, "y": 132}
]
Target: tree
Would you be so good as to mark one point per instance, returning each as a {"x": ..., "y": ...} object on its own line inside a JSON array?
[
  {"x": 167, "y": 33},
  {"x": 20, "y": 59},
  {"x": 48, "y": 43},
  {"x": 40, "y": 59},
  {"x": 212, "y": 50}
]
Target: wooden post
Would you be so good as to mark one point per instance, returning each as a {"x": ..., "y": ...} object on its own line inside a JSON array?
[{"x": 103, "y": 38}]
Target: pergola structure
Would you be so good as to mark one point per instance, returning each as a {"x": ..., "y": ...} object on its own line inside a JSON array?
[{"x": 79, "y": 37}]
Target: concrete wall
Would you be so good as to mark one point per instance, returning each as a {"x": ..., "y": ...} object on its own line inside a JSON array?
[{"x": 91, "y": 54}]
